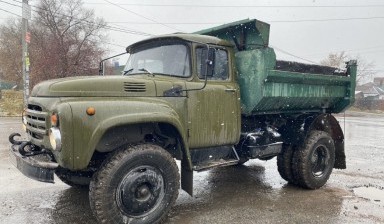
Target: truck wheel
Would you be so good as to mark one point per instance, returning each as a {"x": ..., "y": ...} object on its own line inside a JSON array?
[
  {"x": 313, "y": 161},
  {"x": 284, "y": 163},
  {"x": 136, "y": 185},
  {"x": 74, "y": 179}
]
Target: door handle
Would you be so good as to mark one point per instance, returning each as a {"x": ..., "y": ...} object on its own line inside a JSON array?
[{"x": 230, "y": 90}]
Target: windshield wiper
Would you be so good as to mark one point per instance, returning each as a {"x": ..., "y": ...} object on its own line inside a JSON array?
[
  {"x": 146, "y": 70},
  {"x": 128, "y": 71}
]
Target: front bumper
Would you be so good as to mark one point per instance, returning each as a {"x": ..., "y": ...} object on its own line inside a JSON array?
[{"x": 38, "y": 167}]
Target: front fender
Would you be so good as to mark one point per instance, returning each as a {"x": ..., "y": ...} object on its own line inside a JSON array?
[{"x": 88, "y": 130}]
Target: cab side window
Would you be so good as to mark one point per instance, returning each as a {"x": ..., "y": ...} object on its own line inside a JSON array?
[{"x": 217, "y": 67}]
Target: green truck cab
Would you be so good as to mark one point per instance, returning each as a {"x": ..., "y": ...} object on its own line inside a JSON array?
[{"x": 217, "y": 97}]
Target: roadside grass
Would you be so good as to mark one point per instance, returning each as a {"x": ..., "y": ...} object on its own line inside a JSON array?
[{"x": 11, "y": 103}]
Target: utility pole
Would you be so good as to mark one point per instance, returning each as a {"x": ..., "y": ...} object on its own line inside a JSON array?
[{"x": 26, "y": 14}]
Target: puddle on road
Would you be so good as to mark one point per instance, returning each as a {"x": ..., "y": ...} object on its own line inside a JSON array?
[{"x": 371, "y": 193}]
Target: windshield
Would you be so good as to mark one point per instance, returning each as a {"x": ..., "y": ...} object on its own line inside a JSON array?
[{"x": 170, "y": 60}]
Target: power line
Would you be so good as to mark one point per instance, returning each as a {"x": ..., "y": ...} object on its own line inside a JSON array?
[
  {"x": 10, "y": 3},
  {"x": 325, "y": 20},
  {"x": 147, "y": 18},
  {"x": 112, "y": 28},
  {"x": 9, "y": 12},
  {"x": 285, "y": 52},
  {"x": 117, "y": 45},
  {"x": 118, "y": 29},
  {"x": 349, "y": 50},
  {"x": 106, "y": 27},
  {"x": 109, "y": 43},
  {"x": 174, "y": 23},
  {"x": 244, "y": 6},
  {"x": 270, "y": 21}
]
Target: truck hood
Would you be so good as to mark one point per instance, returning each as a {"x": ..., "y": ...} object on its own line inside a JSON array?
[{"x": 102, "y": 86}]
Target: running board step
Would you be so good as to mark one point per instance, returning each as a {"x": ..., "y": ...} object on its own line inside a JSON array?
[
  {"x": 213, "y": 164},
  {"x": 206, "y": 158}
]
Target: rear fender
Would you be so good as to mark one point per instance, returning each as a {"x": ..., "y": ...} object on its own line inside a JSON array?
[
  {"x": 296, "y": 131},
  {"x": 329, "y": 124}
]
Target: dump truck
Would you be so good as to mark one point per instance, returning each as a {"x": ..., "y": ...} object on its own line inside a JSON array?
[{"x": 217, "y": 97}]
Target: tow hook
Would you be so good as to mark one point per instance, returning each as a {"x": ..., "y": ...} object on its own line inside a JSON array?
[
  {"x": 12, "y": 140},
  {"x": 25, "y": 148},
  {"x": 29, "y": 149}
]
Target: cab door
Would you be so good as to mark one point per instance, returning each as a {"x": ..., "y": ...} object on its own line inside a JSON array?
[{"x": 213, "y": 111}]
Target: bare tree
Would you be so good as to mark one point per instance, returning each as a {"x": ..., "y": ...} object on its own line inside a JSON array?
[
  {"x": 365, "y": 70},
  {"x": 10, "y": 52},
  {"x": 68, "y": 38},
  {"x": 335, "y": 60},
  {"x": 65, "y": 41}
]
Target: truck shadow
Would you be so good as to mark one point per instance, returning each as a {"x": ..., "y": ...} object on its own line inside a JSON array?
[
  {"x": 236, "y": 194},
  {"x": 250, "y": 194},
  {"x": 73, "y": 207}
]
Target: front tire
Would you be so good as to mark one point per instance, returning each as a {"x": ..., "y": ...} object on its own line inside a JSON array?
[
  {"x": 314, "y": 160},
  {"x": 136, "y": 185}
]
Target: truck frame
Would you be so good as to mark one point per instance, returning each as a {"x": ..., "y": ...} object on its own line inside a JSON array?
[{"x": 217, "y": 97}]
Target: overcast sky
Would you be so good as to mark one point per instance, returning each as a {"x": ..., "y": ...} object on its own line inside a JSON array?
[{"x": 308, "y": 29}]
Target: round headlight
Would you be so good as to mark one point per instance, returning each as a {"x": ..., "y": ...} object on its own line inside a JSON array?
[{"x": 55, "y": 138}]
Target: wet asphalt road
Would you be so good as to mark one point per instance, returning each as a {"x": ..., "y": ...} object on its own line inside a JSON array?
[{"x": 253, "y": 193}]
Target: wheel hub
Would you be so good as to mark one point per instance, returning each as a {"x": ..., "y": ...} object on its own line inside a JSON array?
[
  {"x": 320, "y": 160},
  {"x": 140, "y": 191},
  {"x": 143, "y": 193}
]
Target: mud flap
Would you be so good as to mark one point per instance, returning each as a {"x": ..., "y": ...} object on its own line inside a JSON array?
[
  {"x": 340, "y": 162},
  {"x": 186, "y": 178}
]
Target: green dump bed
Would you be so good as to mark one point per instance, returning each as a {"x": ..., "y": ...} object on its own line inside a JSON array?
[{"x": 268, "y": 86}]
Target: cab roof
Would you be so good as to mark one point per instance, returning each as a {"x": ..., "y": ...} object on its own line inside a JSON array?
[{"x": 196, "y": 38}]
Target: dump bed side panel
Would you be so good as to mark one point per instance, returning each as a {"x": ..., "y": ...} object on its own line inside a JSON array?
[{"x": 265, "y": 88}]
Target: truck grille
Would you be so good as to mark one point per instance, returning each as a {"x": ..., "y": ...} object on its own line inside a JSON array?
[
  {"x": 36, "y": 122},
  {"x": 135, "y": 87}
]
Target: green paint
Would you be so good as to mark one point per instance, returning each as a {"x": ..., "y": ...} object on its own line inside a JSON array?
[{"x": 202, "y": 118}]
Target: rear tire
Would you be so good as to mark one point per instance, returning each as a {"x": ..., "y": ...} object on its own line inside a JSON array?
[
  {"x": 314, "y": 160},
  {"x": 284, "y": 163},
  {"x": 136, "y": 185}
]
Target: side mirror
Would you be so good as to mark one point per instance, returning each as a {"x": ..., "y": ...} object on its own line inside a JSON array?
[{"x": 101, "y": 64}]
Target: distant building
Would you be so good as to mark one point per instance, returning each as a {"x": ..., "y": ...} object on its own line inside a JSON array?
[
  {"x": 371, "y": 90},
  {"x": 379, "y": 81},
  {"x": 370, "y": 95}
]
